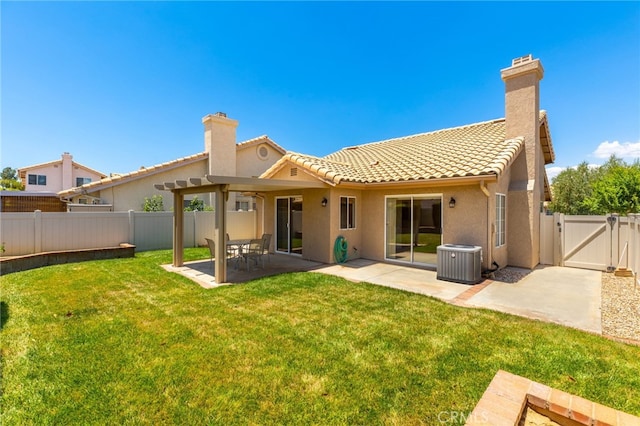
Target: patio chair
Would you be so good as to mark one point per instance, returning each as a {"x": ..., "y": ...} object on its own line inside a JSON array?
[
  {"x": 231, "y": 254},
  {"x": 254, "y": 252},
  {"x": 266, "y": 243},
  {"x": 233, "y": 251}
]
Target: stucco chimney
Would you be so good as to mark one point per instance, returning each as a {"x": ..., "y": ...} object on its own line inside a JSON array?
[
  {"x": 526, "y": 185},
  {"x": 220, "y": 143},
  {"x": 522, "y": 105},
  {"x": 67, "y": 171}
]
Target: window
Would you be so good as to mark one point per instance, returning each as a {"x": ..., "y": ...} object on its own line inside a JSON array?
[
  {"x": 501, "y": 208},
  {"x": 263, "y": 152},
  {"x": 347, "y": 212},
  {"x": 81, "y": 181},
  {"x": 37, "y": 180},
  {"x": 242, "y": 205}
]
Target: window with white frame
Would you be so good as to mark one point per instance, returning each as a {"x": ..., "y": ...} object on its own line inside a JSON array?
[
  {"x": 82, "y": 180},
  {"x": 501, "y": 210},
  {"x": 347, "y": 212}
]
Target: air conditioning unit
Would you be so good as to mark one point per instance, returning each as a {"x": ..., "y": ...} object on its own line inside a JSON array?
[{"x": 459, "y": 263}]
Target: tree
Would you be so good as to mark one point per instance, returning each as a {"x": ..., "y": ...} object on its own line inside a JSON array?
[
  {"x": 9, "y": 174},
  {"x": 153, "y": 204},
  {"x": 197, "y": 205},
  {"x": 617, "y": 189},
  {"x": 9, "y": 180},
  {"x": 613, "y": 187},
  {"x": 571, "y": 187}
]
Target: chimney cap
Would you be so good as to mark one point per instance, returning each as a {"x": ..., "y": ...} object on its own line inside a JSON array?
[
  {"x": 220, "y": 114},
  {"x": 521, "y": 66},
  {"x": 521, "y": 60}
]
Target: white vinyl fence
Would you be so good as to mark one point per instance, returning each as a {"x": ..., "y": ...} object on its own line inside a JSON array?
[
  {"x": 28, "y": 233},
  {"x": 591, "y": 242}
]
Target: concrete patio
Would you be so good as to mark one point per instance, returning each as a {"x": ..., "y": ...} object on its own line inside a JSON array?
[
  {"x": 565, "y": 296},
  {"x": 203, "y": 273}
]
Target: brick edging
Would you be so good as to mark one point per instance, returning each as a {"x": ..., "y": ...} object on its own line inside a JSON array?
[{"x": 461, "y": 299}]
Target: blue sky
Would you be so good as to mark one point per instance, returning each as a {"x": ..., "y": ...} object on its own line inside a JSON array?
[{"x": 125, "y": 84}]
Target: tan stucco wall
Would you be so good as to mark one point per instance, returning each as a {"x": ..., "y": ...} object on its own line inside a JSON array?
[
  {"x": 315, "y": 222},
  {"x": 130, "y": 196},
  {"x": 524, "y": 199},
  {"x": 456, "y": 223},
  {"x": 500, "y": 254},
  {"x": 250, "y": 164},
  {"x": 354, "y": 237},
  {"x": 321, "y": 225}
]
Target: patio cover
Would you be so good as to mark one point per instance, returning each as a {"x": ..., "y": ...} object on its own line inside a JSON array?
[{"x": 221, "y": 186}]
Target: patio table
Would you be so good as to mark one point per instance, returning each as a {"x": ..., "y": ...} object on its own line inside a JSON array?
[{"x": 236, "y": 246}]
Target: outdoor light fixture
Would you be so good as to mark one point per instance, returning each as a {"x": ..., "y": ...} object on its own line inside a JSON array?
[
  {"x": 324, "y": 202},
  {"x": 452, "y": 202}
]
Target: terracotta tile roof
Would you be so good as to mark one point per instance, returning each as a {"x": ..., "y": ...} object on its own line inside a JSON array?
[
  {"x": 126, "y": 177},
  {"x": 472, "y": 150},
  {"x": 259, "y": 140}
]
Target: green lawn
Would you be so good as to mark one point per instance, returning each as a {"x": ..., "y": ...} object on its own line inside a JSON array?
[
  {"x": 427, "y": 243},
  {"x": 123, "y": 341}
]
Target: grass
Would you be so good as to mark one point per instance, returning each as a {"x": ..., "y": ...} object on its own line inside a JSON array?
[
  {"x": 123, "y": 341},
  {"x": 427, "y": 243}
]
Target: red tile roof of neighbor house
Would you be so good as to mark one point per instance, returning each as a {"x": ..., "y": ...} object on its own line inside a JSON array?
[{"x": 472, "y": 150}]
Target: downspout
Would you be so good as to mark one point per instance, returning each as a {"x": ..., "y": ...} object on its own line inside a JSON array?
[{"x": 490, "y": 261}]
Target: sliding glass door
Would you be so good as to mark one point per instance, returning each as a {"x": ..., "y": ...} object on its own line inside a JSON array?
[
  {"x": 289, "y": 224},
  {"x": 413, "y": 228}
]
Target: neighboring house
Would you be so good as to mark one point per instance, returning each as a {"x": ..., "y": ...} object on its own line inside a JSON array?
[
  {"x": 396, "y": 200},
  {"x": 222, "y": 156},
  {"x": 58, "y": 175}
]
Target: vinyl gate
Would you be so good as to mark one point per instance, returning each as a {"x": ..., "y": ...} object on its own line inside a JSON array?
[{"x": 591, "y": 242}]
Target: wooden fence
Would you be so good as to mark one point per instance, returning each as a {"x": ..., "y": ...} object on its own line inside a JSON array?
[{"x": 29, "y": 233}]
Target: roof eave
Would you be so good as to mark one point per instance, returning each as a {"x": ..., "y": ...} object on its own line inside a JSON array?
[
  {"x": 414, "y": 183},
  {"x": 545, "y": 139}
]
